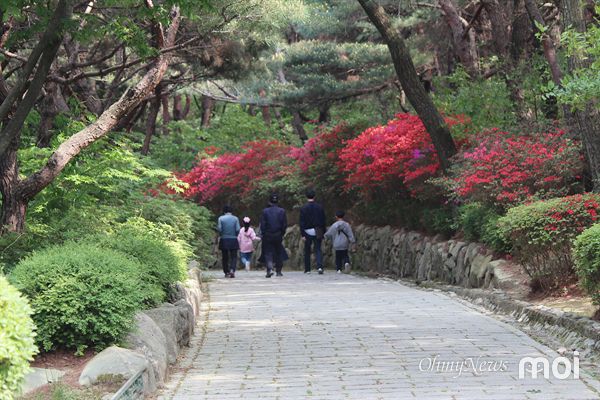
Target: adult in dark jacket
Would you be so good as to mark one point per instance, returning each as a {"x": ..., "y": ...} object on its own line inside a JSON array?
[
  {"x": 312, "y": 228},
  {"x": 273, "y": 224}
]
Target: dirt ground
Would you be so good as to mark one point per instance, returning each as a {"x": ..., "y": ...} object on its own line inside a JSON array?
[{"x": 68, "y": 387}]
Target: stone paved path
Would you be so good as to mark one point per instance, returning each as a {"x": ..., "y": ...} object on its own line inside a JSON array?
[{"x": 344, "y": 337}]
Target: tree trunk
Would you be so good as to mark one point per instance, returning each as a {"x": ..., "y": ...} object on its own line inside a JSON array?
[
  {"x": 520, "y": 38},
  {"x": 84, "y": 88},
  {"x": 464, "y": 42},
  {"x": 299, "y": 126},
  {"x": 407, "y": 75},
  {"x": 24, "y": 94},
  {"x": 279, "y": 118},
  {"x": 587, "y": 120},
  {"x": 550, "y": 107},
  {"x": 547, "y": 43},
  {"x": 51, "y": 105},
  {"x": 266, "y": 114},
  {"x": 166, "y": 115},
  {"x": 500, "y": 17},
  {"x": 324, "y": 115},
  {"x": 187, "y": 107},
  {"x": 265, "y": 110},
  {"x": 12, "y": 218},
  {"x": 151, "y": 121},
  {"x": 207, "y": 108},
  {"x": 177, "y": 108},
  {"x": 17, "y": 193},
  {"x": 127, "y": 123}
]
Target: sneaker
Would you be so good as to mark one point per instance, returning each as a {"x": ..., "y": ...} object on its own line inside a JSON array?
[
  {"x": 269, "y": 274},
  {"x": 339, "y": 271},
  {"x": 279, "y": 274},
  {"x": 232, "y": 274},
  {"x": 307, "y": 272},
  {"x": 347, "y": 267},
  {"x": 320, "y": 271}
]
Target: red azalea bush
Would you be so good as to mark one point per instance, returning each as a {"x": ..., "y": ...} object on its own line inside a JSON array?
[
  {"x": 542, "y": 233},
  {"x": 397, "y": 155},
  {"x": 262, "y": 166},
  {"x": 319, "y": 160},
  {"x": 501, "y": 169}
]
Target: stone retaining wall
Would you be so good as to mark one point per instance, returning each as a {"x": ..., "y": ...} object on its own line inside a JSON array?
[
  {"x": 406, "y": 254},
  {"x": 155, "y": 341}
]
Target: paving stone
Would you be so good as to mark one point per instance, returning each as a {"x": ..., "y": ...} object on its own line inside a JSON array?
[{"x": 345, "y": 337}]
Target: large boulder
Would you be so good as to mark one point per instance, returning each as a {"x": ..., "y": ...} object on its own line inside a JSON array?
[
  {"x": 176, "y": 322},
  {"x": 165, "y": 318},
  {"x": 479, "y": 270},
  {"x": 116, "y": 362},
  {"x": 148, "y": 339}
]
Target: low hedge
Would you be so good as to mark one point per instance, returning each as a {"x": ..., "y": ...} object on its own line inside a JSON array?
[
  {"x": 586, "y": 254},
  {"x": 162, "y": 262},
  {"x": 542, "y": 234},
  {"x": 16, "y": 339},
  {"x": 480, "y": 223},
  {"x": 82, "y": 295}
]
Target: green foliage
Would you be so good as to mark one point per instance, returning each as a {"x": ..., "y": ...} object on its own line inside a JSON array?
[
  {"x": 162, "y": 261},
  {"x": 191, "y": 224},
  {"x": 82, "y": 295},
  {"x": 106, "y": 185},
  {"x": 230, "y": 127},
  {"x": 542, "y": 233},
  {"x": 16, "y": 339},
  {"x": 582, "y": 86},
  {"x": 479, "y": 223},
  {"x": 439, "y": 221},
  {"x": 485, "y": 101},
  {"x": 319, "y": 72},
  {"x": 586, "y": 254}
]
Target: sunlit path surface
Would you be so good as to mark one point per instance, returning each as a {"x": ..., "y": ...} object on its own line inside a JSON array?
[{"x": 344, "y": 337}]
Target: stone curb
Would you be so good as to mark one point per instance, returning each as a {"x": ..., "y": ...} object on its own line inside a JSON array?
[{"x": 160, "y": 333}]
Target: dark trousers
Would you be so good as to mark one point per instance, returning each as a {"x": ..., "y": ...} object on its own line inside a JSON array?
[
  {"x": 273, "y": 255},
  {"x": 310, "y": 240},
  {"x": 341, "y": 258},
  {"x": 229, "y": 260}
]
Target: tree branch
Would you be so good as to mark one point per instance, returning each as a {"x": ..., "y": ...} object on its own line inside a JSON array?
[{"x": 106, "y": 121}]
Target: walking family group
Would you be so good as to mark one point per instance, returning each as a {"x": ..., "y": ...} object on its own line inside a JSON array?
[{"x": 273, "y": 224}]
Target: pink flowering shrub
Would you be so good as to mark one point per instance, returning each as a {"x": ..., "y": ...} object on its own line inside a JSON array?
[
  {"x": 542, "y": 233},
  {"x": 319, "y": 160},
  {"x": 500, "y": 169},
  {"x": 399, "y": 155},
  {"x": 247, "y": 177}
]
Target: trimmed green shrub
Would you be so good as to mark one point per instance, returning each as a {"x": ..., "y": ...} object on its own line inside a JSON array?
[
  {"x": 82, "y": 295},
  {"x": 542, "y": 234},
  {"x": 492, "y": 236},
  {"x": 16, "y": 339},
  {"x": 438, "y": 220},
  {"x": 161, "y": 261},
  {"x": 586, "y": 254},
  {"x": 479, "y": 223}
]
